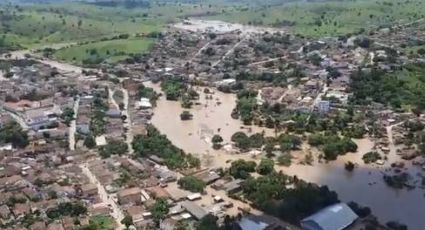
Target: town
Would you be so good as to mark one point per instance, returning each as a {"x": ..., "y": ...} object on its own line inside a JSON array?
[{"x": 219, "y": 126}]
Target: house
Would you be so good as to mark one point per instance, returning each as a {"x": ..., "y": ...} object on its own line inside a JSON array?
[
  {"x": 83, "y": 129},
  {"x": 21, "y": 209},
  {"x": 4, "y": 212},
  {"x": 232, "y": 186},
  {"x": 260, "y": 222},
  {"x": 113, "y": 113},
  {"x": 168, "y": 224},
  {"x": 247, "y": 223},
  {"x": 55, "y": 226},
  {"x": 136, "y": 213},
  {"x": 130, "y": 196},
  {"x": 165, "y": 175},
  {"x": 144, "y": 103},
  {"x": 89, "y": 190},
  {"x": 335, "y": 217},
  {"x": 324, "y": 106},
  {"x": 39, "y": 225},
  {"x": 195, "y": 210},
  {"x": 208, "y": 176}
]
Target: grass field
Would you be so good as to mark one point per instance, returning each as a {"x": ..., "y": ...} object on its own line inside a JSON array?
[
  {"x": 110, "y": 51},
  {"x": 38, "y": 25},
  {"x": 328, "y": 18},
  {"x": 102, "y": 222}
]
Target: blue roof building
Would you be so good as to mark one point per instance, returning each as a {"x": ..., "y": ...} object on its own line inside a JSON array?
[{"x": 335, "y": 217}]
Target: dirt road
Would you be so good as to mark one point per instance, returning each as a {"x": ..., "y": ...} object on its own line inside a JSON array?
[{"x": 117, "y": 213}]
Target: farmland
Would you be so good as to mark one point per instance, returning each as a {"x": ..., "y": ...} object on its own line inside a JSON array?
[
  {"x": 110, "y": 51},
  {"x": 327, "y": 18}
]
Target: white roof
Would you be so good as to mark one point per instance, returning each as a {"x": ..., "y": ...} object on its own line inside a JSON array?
[
  {"x": 185, "y": 215},
  {"x": 100, "y": 140},
  {"x": 194, "y": 196},
  {"x": 6, "y": 147}
]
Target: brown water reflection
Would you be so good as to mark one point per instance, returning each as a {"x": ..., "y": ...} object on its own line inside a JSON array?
[{"x": 364, "y": 185}]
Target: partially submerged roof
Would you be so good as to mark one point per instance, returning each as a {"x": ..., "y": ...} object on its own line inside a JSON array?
[{"x": 334, "y": 217}]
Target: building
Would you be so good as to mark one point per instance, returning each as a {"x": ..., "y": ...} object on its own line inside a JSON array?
[
  {"x": 195, "y": 210},
  {"x": 130, "y": 196},
  {"x": 144, "y": 103},
  {"x": 336, "y": 217},
  {"x": 248, "y": 223},
  {"x": 168, "y": 224},
  {"x": 324, "y": 106},
  {"x": 89, "y": 190}
]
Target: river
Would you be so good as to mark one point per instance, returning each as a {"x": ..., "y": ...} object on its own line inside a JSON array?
[{"x": 364, "y": 185}]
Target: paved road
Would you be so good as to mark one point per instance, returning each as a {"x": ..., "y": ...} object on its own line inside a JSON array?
[
  {"x": 73, "y": 126},
  {"x": 117, "y": 213}
]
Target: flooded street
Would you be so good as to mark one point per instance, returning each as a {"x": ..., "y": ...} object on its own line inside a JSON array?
[{"x": 365, "y": 185}]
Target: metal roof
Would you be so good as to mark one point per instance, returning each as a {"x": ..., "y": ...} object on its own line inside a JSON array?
[{"x": 335, "y": 217}]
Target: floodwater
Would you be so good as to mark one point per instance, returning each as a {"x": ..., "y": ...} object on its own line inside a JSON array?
[
  {"x": 364, "y": 185},
  {"x": 221, "y": 27}
]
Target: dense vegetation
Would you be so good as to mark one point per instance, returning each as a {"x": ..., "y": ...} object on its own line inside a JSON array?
[
  {"x": 332, "y": 145},
  {"x": 154, "y": 143},
  {"x": 400, "y": 89},
  {"x": 67, "y": 115},
  {"x": 242, "y": 169},
  {"x": 66, "y": 209},
  {"x": 192, "y": 184},
  {"x": 245, "y": 106},
  {"x": 113, "y": 148},
  {"x": 173, "y": 89},
  {"x": 159, "y": 210},
  {"x": 147, "y": 92},
  {"x": 98, "y": 121},
  {"x": 271, "y": 194},
  {"x": 371, "y": 157},
  {"x": 265, "y": 167},
  {"x": 13, "y": 133},
  {"x": 286, "y": 142}
]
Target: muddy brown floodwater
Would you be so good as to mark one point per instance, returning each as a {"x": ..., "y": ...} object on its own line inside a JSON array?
[{"x": 364, "y": 186}]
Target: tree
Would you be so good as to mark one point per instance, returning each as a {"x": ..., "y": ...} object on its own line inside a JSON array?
[
  {"x": 89, "y": 142},
  {"x": 113, "y": 148},
  {"x": 256, "y": 140},
  {"x": 349, "y": 166},
  {"x": 182, "y": 225},
  {"x": 192, "y": 184},
  {"x": 186, "y": 115},
  {"x": 371, "y": 157},
  {"x": 12, "y": 133},
  {"x": 241, "y": 169},
  {"x": 159, "y": 210},
  {"x": 67, "y": 115},
  {"x": 153, "y": 143},
  {"x": 241, "y": 140},
  {"x": 265, "y": 167},
  {"x": 362, "y": 212},
  {"x": 284, "y": 160},
  {"x": 127, "y": 221},
  {"x": 394, "y": 225},
  {"x": 209, "y": 222},
  {"x": 217, "y": 140}
]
